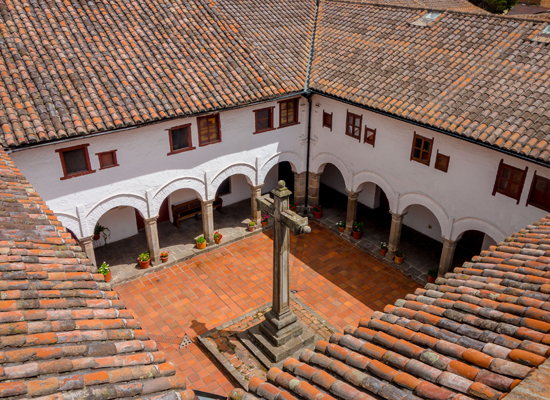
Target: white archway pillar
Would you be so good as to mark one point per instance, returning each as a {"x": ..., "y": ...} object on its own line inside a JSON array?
[
  {"x": 395, "y": 234},
  {"x": 313, "y": 189},
  {"x": 447, "y": 256},
  {"x": 255, "y": 212},
  {"x": 208, "y": 220},
  {"x": 88, "y": 246},
  {"x": 351, "y": 211},
  {"x": 151, "y": 232}
]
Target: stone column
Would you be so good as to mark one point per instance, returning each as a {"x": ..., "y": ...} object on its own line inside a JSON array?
[
  {"x": 152, "y": 234},
  {"x": 313, "y": 189},
  {"x": 88, "y": 247},
  {"x": 255, "y": 212},
  {"x": 395, "y": 234},
  {"x": 208, "y": 221},
  {"x": 352, "y": 211},
  {"x": 300, "y": 190},
  {"x": 447, "y": 256}
]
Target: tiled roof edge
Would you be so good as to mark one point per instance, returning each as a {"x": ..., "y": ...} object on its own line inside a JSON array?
[
  {"x": 445, "y": 10},
  {"x": 433, "y": 128}
]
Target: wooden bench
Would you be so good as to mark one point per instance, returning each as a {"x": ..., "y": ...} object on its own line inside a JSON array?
[{"x": 191, "y": 209}]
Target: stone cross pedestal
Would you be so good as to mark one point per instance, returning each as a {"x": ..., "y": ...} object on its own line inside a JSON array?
[{"x": 284, "y": 333}]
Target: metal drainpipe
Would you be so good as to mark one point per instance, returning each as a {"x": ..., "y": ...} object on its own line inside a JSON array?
[{"x": 308, "y": 96}]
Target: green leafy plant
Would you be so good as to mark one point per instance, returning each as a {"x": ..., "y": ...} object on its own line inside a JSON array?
[
  {"x": 341, "y": 224},
  {"x": 433, "y": 272},
  {"x": 251, "y": 223},
  {"x": 104, "y": 268},
  {"x": 383, "y": 246},
  {"x": 144, "y": 256},
  {"x": 358, "y": 226},
  {"x": 317, "y": 208},
  {"x": 201, "y": 239},
  {"x": 398, "y": 254},
  {"x": 103, "y": 230}
]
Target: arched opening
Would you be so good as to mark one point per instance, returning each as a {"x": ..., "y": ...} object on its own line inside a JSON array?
[
  {"x": 373, "y": 210},
  {"x": 332, "y": 190},
  {"x": 469, "y": 244},
  {"x": 281, "y": 171}
]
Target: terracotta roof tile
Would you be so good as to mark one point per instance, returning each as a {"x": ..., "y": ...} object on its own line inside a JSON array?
[
  {"x": 476, "y": 333},
  {"x": 63, "y": 332}
]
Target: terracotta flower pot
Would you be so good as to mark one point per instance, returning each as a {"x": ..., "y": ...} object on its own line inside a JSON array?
[
  {"x": 96, "y": 237},
  {"x": 108, "y": 277},
  {"x": 318, "y": 214},
  {"x": 357, "y": 235},
  {"x": 432, "y": 279},
  {"x": 341, "y": 228},
  {"x": 201, "y": 245},
  {"x": 217, "y": 240},
  {"x": 399, "y": 260},
  {"x": 144, "y": 264},
  {"x": 264, "y": 223},
  {"x": 383, "y": 252},
  {"x": 251, "y": 228},
  {"x": 164, "y": 259}
]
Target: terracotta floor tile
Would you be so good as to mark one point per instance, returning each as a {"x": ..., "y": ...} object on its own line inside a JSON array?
[{"x": 337, "y": 280}]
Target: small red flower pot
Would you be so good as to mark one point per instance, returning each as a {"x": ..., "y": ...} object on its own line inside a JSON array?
[
  {"x": 383, "y": 252},
  {"x": 318, "y": 214},
  {"x": 217, "y": 240},
  {"x": 144, "y": 264},
  {"x": 108, "y": 277},
  {"x": 96, "y": 237},
  {"x": 432, "y": 279},
  {"x": 264, "y": 223},
  {"x": 357, "y": 235},
  {"x": 399, "y": 260},
  {"x": 341, "y": 228},
  {"x": 251, "y": 228},
  {"x": 164, "y": 259},
  {"x": 201, "y": 245}
]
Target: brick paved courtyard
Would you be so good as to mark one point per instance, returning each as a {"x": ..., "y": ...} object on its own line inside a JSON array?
[{"x": 336, "y": 279}]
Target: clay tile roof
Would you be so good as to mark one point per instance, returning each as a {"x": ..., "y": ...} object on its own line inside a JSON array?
[
  {"x": 477, "y": 333},
  {"x": 64, "y": 334},
  {"x": 451, "y": 5},
  {"x": 80, "y": 67}
]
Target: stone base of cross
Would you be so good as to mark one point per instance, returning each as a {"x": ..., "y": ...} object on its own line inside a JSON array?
[{"x": 284, "y": 333}]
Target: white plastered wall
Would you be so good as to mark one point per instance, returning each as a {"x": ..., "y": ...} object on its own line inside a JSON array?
[
  {"x": 146, "y": 175},
  {"x": 459, "y": 200}
]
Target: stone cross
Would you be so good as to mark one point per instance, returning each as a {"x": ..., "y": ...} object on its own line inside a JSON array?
[{"x": 280, "y": 325}]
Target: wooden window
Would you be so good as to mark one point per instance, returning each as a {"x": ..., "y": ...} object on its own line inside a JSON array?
[
  {"x": 209, "y": 129},
  {"x": 107, "y": 159},
  {"x": 442, "y": 162},
  {"x": 539, "y": 195},
  {"x": 509, "y": 181},
  {"x": 224, "y": 188},
  {"x": 264, "y": 119},
  {"x": 370, "y": 136},
  {"x": 353, "y": 125},
  {"x": 421, "y": 149},
  {"x": 180, "y": 139},
  {"x": 288, "y": 112},
  {"x": 327, "y": 120},
  {"x": 75, "y": 161}
]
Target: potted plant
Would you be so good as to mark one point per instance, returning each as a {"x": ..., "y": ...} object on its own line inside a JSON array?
[
  {"x": 164, "y": 256},
  {"x": 265, "y": 219},
  {"x": 292, "y": 205},
  {"x": 105, "y": 271},
  {"x": 201, "y": 242},
  {"x": 341, "y": 226},
  {"x": 383, "y": 248},
  {"x": 251, "y": 226},
  {"x": 144, "y": 260},
  {"x": 103, "y": 230},
  {"x": 399, "y": 257},
  {"x": 357, "y": 230},
  {"x": 318, "y": 211},
  {"x": 218, "y": 237},
  {"x": 432, "y": 275}
]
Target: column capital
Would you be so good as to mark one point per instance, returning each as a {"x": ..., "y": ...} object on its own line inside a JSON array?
[
  {"x": 353, "y": 195},
  {"x": 256, "y": 187},
  {"x": 396, "y": 217},
  {"x": 86, "y": 239},
  {"x": 448, "y": 242},
  {"x": 207, "y": 202},
  {"x": 151, "y": 220}
]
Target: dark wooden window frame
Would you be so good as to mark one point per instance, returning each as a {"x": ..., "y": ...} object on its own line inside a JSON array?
[
  {"x": 114, "y": 159},
  {"x": 82, "y": 146},
  {"x": 360, "y": 116},
  {"x": 296, "y": 107},
  {"x": 172, "y": 151},
  {"x": 533, "y": 184},
  {"x": 373, "y": 134},
  {"x": 217, "y": 116},
  {"x": 331, "y": 121},
  {"x": 271, "y": 125},
  {"x": 444, "y": 168},
  {"x": 501, "y": 167},
  {"x": 424, "y": 139}
]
